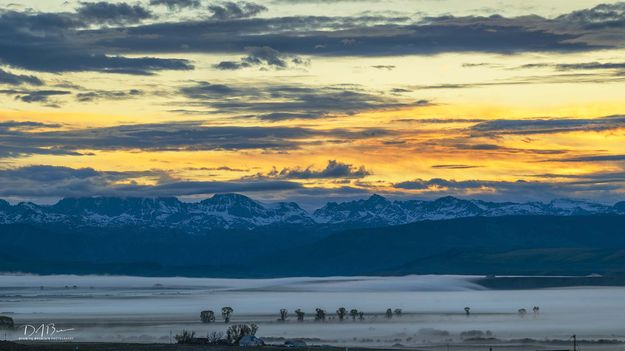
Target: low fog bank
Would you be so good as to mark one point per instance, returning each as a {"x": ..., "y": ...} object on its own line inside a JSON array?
[
  {"x": 110, "y": 308},
  {"x": 325, "y": 284}
]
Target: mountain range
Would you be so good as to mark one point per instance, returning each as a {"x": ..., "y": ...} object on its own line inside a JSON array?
[
  {"x": 231, "y": 235},
  {"x": 235, "y": 211}
]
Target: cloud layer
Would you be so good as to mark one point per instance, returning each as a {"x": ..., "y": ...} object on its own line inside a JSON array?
[{"x": 308, "y": 102}]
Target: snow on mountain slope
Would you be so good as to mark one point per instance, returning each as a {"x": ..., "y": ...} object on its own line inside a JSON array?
[
  {"x": 576, "y": 207},
  {"x": 235, "y": 211},
  {"x": 227, "y": 211},
  {"x": 380, "y": 211}
]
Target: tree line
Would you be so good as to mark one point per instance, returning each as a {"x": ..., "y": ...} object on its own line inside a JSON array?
[{"x": 319, "y": 315}]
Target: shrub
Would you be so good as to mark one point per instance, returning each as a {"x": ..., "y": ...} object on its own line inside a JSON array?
[{"x": 215, "y": 338}]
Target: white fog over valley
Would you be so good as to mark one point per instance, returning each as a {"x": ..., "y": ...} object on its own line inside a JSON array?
[{"x": 139, "y": 309}]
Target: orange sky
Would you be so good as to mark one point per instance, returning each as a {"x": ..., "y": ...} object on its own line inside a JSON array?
[{"x": 528, "y": 124}]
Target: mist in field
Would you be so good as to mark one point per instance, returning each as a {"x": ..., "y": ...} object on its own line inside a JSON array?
[{"x": 135, "y": 309}]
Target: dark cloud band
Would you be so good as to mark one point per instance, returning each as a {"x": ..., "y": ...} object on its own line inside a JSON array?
[{"x": 189, "y": 136}]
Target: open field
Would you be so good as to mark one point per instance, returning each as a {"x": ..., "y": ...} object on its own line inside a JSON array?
[
  {"x": 509, "y": 346},
  {"x": 104, "y": 309}
]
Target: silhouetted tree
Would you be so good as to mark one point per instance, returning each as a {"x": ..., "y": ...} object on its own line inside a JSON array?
[
  {"x": 467, "y": 310},
  {"x": 226, "y": 312},
  {"x": 361, "y": 316},
  {"x": 389, "y": 313},
  {"x": 236, "y": 332},
  {"x": 536, "y": 310},
  {"x": 398, "y": 312},
  {"x": 341, "y": 312},
  {"x": 207, "y": 316},
  {"x": 353, "y": 313},
  {"x": 283, "y": 314},
  {"x": 320, "y": 314},
  {"x": 185, "y": 337},
  {"x": 6, "y": 322},
  {"x": 300, "y": 315},
  {"x": 522, "y": 312}
]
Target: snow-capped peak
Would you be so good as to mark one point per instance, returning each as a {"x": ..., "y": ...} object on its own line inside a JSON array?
[{"x": 235, "y": 211}]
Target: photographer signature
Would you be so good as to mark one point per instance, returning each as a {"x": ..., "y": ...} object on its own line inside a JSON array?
[{"x": 44, "y": 330}]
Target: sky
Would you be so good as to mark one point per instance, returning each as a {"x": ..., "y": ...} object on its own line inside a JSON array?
[{"x": 313, "y": 100}]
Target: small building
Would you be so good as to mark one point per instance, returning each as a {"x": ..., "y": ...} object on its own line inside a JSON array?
[{"x": 251, "y": 341}]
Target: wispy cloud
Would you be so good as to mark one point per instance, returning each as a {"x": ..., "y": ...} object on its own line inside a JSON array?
[
  {"x": 228, "y": 10},
  {"x": 263, "y": 58},
  {"x": 548, "y": 125},
  {"x": 52, "y": 181},
  {"x": 280, "y": 102},
  {"x": 189, "y": 136},
  {"x": 177, "y": 4},
  {"x": 103, "y": 12},
  {"x": 18, "y": 79}
]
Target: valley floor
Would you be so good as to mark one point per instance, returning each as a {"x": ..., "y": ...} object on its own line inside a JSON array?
[
  {"x": 508, "y": 346},
  {"x": 96, "y": 311}
]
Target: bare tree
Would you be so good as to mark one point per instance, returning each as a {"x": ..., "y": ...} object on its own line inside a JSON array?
[
  {"x": 185, "y": 337},
  {"x": 207, "y": 316},
  {"x": 341, "y": 312},
  {"x": 226, "y": 312},
  {"x": 236, "y": 332},
  {"x": 6, "y": 322},
  {"x": 283, "y": 314},
  {"x": 300, "y": 315},
  {"x": 353, "y": 313},
  {"x": 320, "y": 314}
]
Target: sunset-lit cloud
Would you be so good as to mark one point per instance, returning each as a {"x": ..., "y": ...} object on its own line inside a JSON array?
[{"x": 312, "y": 100}]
